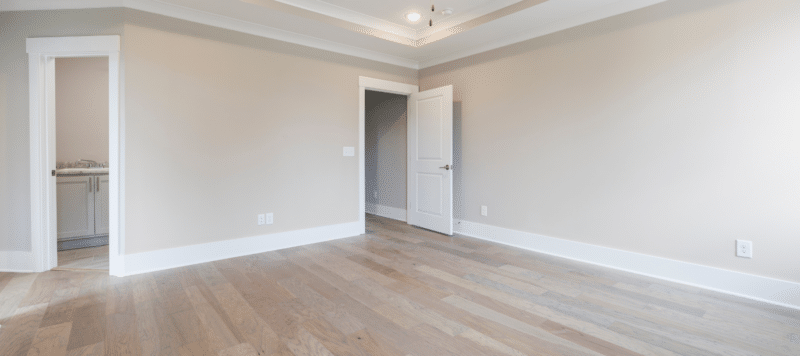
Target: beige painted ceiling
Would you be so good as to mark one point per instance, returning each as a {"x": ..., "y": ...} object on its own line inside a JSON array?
[{"x": 376, "y": 29}]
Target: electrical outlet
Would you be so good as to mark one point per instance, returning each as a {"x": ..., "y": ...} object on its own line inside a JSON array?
[
  {"x": 744, "y": 248},
  {"x": 262, "y": 219},
  {"x": 484, "y": 210},
  {"x": 375, "y": 194},
  {"x": 269, "y": 219}
]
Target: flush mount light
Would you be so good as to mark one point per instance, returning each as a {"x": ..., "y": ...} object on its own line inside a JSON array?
[{"x": 413, "y": 16}]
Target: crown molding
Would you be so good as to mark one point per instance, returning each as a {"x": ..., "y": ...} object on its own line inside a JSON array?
[
  {"x": 206, "y": 18},
  {"x": 411, "y": 34},
  {"x": 229, "y": 23},
  {"x": 617, "y": 8}
]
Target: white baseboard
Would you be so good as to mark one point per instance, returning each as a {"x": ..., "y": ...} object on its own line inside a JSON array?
[
  {"x": 214, "y": 251},
  {"x": 16, "y": 261},
  {"x": 386, "y": 211},
  {"x": 764, "y": 289}
]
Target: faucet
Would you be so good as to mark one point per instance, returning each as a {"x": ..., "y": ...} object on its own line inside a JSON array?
[{"x": 90, "y": 162}]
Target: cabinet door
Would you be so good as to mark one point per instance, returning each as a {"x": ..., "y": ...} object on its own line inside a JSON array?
[
  {"x": 75, "y": 204},
  {"x": 101, "y": 205}
]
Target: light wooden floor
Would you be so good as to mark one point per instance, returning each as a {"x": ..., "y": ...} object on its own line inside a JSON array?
[
  {"x": 396, "y": 291},
  {"x": 94, "y": 258}
]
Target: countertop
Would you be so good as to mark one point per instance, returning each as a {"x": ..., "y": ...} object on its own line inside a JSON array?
[{"x": 81, "y": 171}]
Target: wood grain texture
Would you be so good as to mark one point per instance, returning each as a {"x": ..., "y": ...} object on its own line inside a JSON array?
[{"x": 397, "y": 290}]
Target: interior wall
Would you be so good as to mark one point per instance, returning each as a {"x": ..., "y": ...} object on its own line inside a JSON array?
[
  {"x": 385, "y": 149},
  {"x": 82, "y": 109},
  {"x": 223, "y": 126},
  {"x": 15, "y": 27},
  {"x": 670, "y": 131}
]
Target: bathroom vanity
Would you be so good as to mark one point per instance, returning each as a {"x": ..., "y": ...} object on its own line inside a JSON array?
[{"x": 82, "y": 195}]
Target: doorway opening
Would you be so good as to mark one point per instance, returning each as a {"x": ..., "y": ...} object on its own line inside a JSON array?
[
  {"x": 81, "y": 120},
  {"x": 42, "y": 55},
  {"x": 385, "y": 157},
  {"x": 429, "y": 154}
]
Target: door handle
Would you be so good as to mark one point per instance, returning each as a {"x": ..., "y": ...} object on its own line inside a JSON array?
[{"x": 446, "y": 167}]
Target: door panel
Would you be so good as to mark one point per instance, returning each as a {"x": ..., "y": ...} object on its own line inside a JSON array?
[
  {"x": 429, "y": 191},
  {"x": 430, "y": 150},
  {"x": 75, "y": 208},
  {"x": 429, "y": 130}
]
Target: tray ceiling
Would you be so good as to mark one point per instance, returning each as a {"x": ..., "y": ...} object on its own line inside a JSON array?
[{"x": 376, "y": 30}]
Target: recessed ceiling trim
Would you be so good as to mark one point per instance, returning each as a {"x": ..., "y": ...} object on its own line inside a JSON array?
[
  {"x": 229, "y": 23},
  {"x": 617, "y": 8},
  {"x": 348, "y": 15},
  {"x": 444, "y": 28}
]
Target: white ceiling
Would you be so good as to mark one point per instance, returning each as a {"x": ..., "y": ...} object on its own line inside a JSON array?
[{"x": 376, "y": 30}]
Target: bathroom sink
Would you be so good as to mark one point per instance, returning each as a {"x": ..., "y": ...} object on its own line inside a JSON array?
[{"x": 73, "y": 171}]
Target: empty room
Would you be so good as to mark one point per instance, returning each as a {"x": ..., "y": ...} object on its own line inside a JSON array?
[{"x": 357, "y": 177}]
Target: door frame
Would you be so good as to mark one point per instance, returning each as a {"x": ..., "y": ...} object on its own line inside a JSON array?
[
  {"x": 385, "y": 86},
  {"x": 42, "y": 53}
]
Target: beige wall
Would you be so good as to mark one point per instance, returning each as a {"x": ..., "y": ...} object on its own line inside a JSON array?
[
  {"x": 670, "y": 131},
  {"x": 82, "y": 109},
  {"x": 223, "y": 126},
  {"x": 15, "y": 27},
  {"x": 385, "y": 148}
]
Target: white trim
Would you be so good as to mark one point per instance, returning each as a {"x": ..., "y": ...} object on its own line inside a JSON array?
[
  {"x": 409, "y": 32},
  {"x": 220, "y": 21},
  {"x": 42, "y": 53},
  {"x": 16, "y": 261},
  {"x": 214, "y": 251},
  {"x": 552, "y": 27},
  {"x": 229, "y": 23},
  {"x": 386, "y": 211},
  {"x": 763, "y": 289},
  {"x": 386, "y": 86},
  {"x": 364, "y": 84}
]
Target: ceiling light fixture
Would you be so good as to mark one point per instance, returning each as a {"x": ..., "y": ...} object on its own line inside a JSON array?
[
  {"x": 433, "y": 8},
  {"x": 413, "y": 16}
]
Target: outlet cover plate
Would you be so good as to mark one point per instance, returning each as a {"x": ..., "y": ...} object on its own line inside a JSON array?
[
  {"x": 262, "y": 219},
  {"x": 269, "y": 219},
  {"x": 484, "y": 210},
  {"x": 744, "y": 248}
]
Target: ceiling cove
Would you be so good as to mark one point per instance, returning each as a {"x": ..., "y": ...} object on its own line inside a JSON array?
[
  {"x": 386, "y": 19},
  {"x": 375, "y": 29}
]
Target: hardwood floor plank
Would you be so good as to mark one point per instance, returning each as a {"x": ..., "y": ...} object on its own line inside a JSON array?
[
  {"x": 397, "y": 290},
  {"x": 51, "y": 340},
  {"x": 217, "y": 333},
  {"x": 122, "y": 337},
  {"x": 254, "y": 330},
  {"x": 97, "y": 349},
  {"x": 17, "y": 334}
]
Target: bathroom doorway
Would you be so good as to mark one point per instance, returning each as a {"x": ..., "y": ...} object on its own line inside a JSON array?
[{"x": 82, "y": 156}]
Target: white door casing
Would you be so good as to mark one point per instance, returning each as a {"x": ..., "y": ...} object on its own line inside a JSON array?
[
  {"x": 42, "y": 53},
  {"x": 430, "y": 159},
  {"x": 384, "y": 86}
]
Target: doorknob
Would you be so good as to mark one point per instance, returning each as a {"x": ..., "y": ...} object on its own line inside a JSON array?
[{"x": 446, "y": 166}]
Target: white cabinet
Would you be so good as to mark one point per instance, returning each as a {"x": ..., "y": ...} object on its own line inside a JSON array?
[
  {"x": 101, "y": 205},
  {"x": 82, "y": 206}
]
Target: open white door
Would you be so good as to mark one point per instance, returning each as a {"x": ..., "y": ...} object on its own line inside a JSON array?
[{"x": 430, "y": 159}]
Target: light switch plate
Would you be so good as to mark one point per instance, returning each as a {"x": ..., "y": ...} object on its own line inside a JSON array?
[
  {"x": 349, "y": 151},
  {"x": 484, "y": 210},
  {"x": 262, "y": 219}
]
